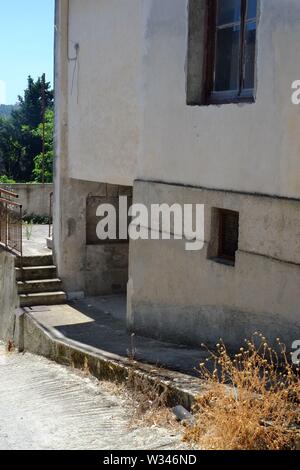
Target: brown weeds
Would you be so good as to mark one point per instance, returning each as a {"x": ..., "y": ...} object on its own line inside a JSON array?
[
  {"x": 10, "y": 347},
  {"x": 253, "y": 403},
  {"x": 149, "y": 399}
]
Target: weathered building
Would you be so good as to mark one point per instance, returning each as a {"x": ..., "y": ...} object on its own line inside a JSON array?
[{"x": 190, "y": 102}]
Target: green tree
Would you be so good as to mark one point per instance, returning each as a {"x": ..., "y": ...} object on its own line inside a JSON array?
[
  {"x": 37, "y": 96},
  {"x": 45, "y": 167},
  {"x": 20, "y": 143},
  {"x": 6, "y": 180},
  {"x": 6, "y": 110},
  {"x": 9, "y": 148}
]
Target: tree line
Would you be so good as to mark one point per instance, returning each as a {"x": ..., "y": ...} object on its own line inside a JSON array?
[
  {"x": 26, "y": 136},
  {"x": 6, "y": 110}
]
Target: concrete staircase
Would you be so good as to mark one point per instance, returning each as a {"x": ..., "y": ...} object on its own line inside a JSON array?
[{"x": 38, "y": 283}]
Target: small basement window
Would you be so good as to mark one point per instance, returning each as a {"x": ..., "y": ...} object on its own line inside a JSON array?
[
  {"x": 224, "y": 236},
  {"x": 228, "y": 236}
]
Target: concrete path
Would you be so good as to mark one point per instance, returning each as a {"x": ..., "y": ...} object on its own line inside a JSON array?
[
  {"x": 100, "y": 323},
  {"x": 47, "y": 406},
  {"x": 34, "y": 240}
]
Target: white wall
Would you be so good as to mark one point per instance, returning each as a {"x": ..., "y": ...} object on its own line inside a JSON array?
[
  {"x": 35, "y": 198},
  {"x": 103, "y": 90},
  {"x": 128, "y": 116},
  {"x": 249, "y": 147},
  {"x": 189, "y": 298}
]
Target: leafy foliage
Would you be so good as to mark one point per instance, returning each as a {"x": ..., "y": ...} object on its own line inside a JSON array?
[
  {"x": 39, "y": 166},
  {"x": 21, "y": 134},
  {"x": 5, "y": 180},
  {"x": 37, "y": 219}
]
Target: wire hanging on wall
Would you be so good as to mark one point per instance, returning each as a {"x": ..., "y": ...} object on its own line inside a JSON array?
[
  {"x": 75, "y": 68},
  {"x": 74, "y": 59}
]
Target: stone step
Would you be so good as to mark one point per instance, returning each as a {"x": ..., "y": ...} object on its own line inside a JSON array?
[
  {"x": 37, "y": 286},
  {"x": 35, "y": 273},
  {"x": 43, "y": 298},
  {"x": 29, "y": 261}
]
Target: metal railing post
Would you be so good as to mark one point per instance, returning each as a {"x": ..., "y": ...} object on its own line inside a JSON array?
[
  {"x": 6, "y": 225},
  {"x": 11, "y": 216},
  {"x": 50, "y": 213}
]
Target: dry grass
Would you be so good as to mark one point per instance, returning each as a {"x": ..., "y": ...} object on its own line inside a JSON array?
[
  {"x": 10, "y": 347},
  {"x": 253, "y": 403},
  {"x": 146, "y": 401},
  {"x": 149, "y": 399},
  {"x": 145, "y": 396}
]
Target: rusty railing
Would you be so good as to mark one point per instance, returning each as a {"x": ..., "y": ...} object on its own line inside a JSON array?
[
  {"x": 10, "y": 222},
  {"x": 51, "y": 214}
]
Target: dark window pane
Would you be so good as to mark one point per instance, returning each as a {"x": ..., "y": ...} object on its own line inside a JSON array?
[
  {"x": 227, "y": 59},
  {"x": 250, "y": 55},
  {"x": 230, "y": 233},
  {"x": 252, "y": 9},
  {"x": 229, "y": 11}
]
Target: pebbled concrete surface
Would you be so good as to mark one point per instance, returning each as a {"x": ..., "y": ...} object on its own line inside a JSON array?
[
  {"x": 100, "y": 323},
  {"x": 34, "y": 242},
  {"x": 47, "y": 406}
]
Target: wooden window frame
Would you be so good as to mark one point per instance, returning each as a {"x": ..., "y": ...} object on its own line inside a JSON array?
[
  {"x": 221, "y": 252},
  {"x": 224, "y": 97}
]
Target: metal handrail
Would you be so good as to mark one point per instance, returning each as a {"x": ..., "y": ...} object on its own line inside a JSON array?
[
  {"x": 50, "y": 212},
  {"x": 11, "y": 237},
  {"x": 12, "y": 203},
  {"x": 8, "y": 193}
]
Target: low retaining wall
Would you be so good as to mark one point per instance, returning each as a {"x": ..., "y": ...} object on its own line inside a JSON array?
[
  {"x": 8, "y": 296},
  {"x": 44, "y": 341},
  {"x": 35, "y": 198}
]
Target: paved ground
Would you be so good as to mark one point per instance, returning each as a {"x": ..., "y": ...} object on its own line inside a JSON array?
[
  {"x": 100, "y": 322},
  {"x": 47, "y": 406},
  {"x": 34, "y": 240}
]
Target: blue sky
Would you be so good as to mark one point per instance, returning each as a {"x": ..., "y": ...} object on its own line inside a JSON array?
[{"x": 26, "y": 44}]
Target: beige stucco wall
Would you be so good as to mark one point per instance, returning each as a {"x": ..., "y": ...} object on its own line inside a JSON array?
[
  {"x": 127, "y": 111},
  {"x": 81, "y": 142},
  {"x": 248, "y": 147},
  {"x": 103, "y": 89},
  {"x": 87, "y": 269},
  {"x": 35, "y": 198},
  {"x": 121, "y": 115},
  {"x": 186, "y": 297}
]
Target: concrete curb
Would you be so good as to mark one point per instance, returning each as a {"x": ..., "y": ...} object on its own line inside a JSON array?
[{"x": 181, "y": 389}]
